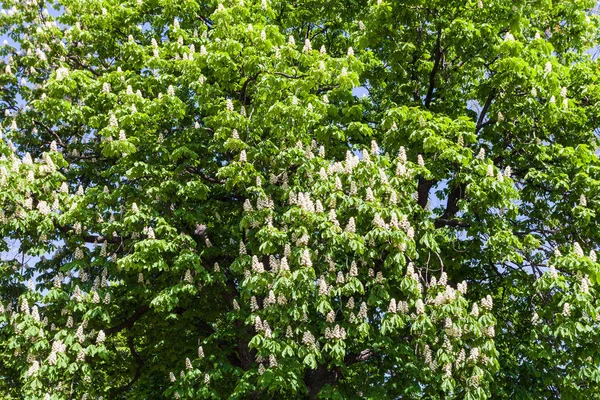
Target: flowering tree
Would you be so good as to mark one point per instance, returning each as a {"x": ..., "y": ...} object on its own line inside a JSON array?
[{"x": 196, "y": 203}]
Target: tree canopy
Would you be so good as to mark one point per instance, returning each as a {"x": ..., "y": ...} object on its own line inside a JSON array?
[{"x": 299, "y": 199}]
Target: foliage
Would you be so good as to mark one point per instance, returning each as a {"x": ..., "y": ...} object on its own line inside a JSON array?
[{"x": 195, "y": 204}]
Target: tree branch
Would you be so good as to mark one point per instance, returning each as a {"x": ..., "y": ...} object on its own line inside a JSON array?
[
  {"x": 138, "y": 369},
  {"x": 245, "y": 87},
  {"x": 423, "y": 191},
  {"x": 455, "y": 195},
  {"x": 436, "y": 66},
  {"x": 80, "y": 64},
  {"x": 364, "y": 355},
  {"x": 49, "y": 130},
  {"x": 484, "y": 110},
  {"x": 315, "y": 379},
  {"x": 210, "y": 179},
  {"x": 441, "y": 222},
  {"x": 90, "y": 238},
  {"x": 102, "y": 239},
  {"x": 289, "y": 76},
  {"x": 128, "y": 323}
]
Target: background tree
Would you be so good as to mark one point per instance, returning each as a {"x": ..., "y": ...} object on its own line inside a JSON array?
[{"x": 195, "y": 204}]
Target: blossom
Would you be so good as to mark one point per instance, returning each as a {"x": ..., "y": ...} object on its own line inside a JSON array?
[
  {"x": 481, "y": 154},
  {"x": 427, "y": 356},
  {"x": 283, "y": 264},
  {"x": 308, "y": 339},
  {"x": 323, "y": 289},
  {"x": 61, "y": 73},
  {"x": 330, "y": 318},
  {"x": 462, "y": 287},
  {"x": 43, "y": 208},
  {"x": 577, "y": 249},
  {"x": 258, "y": 325},
  {"x": 306, "y": 260},
  {"x": 566, "y": 310},
  {"x": 369, "y": 195},
  {"x": 33, "y": 369},
  {"x": 113, "y": 121},
  {"x": 24, "y": 306},
  {"x": 351, "y": 227},
  {"x": 35, "y": 314},
  {"x": 474, "y": 354},
  {"x": 101, "y": 337},
  {"x": 229, "y": 105},
  {"x": 486, "y": 302},
  {"x": 79, "y": 334},
  {"x": 257, "y": 266},
  {"x": 563, "y": 91},
  {"x": 150, "y": 233},
  {"x": 585, "y": 284},
  {"x": 270, "y": 298},
  {"x": 272, "y": 361},
  {"x": 392, "y": 306},
  {"x": 420, "y": 307},
  {"x": 379, "y": 222},
  {"x": 353, "y": 269}
]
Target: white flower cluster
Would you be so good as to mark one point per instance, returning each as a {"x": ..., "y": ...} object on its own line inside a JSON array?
[
  {"x": 487, "y": 303},
  {"x": 336, "y": 333},
  {"x": 257, "y": 266},
  {"x": 446, "y": 297},
  {"x": 270, "y": 299},
  {"x": 308, "y": 339}
]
